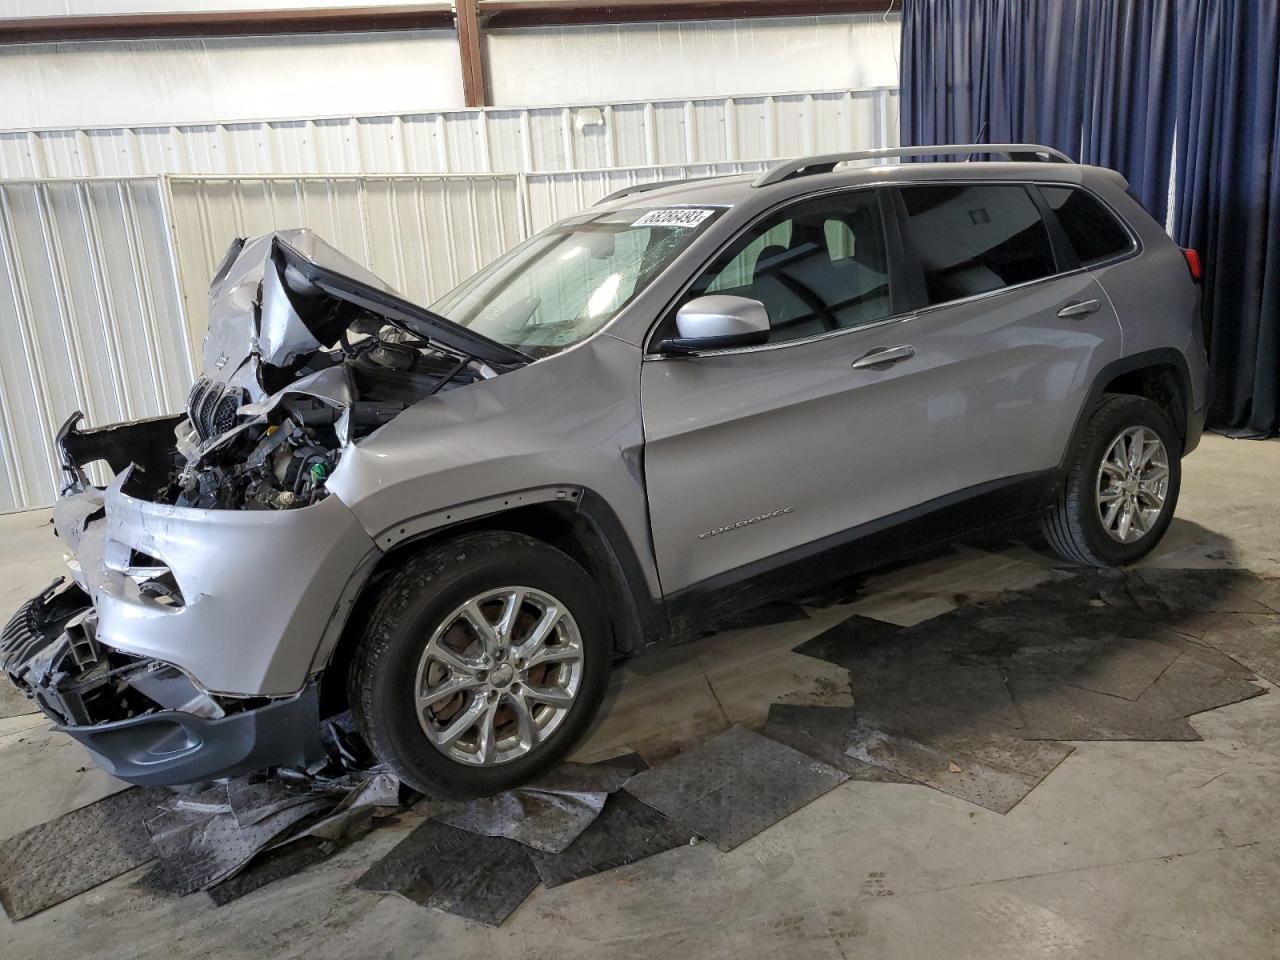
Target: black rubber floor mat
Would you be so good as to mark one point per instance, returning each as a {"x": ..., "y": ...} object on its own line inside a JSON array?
[
  {"x": 952, "y": 773},
  {"x": 1056, "y": 711},
  {"x": 733, "y": 786},
  {"x": 477, "y": 877},
  {"x": 547, "y": 814},
  {"x": 852, "y": 641},
  {"x": 221, "y": 846},
  {"x": 272, "y": 865},
  {"x": 55, "y": 861},
  {"x": 625, "y": 832},
  {"x": 1125, "y": 668},
  {"x": 955, "y": 753},
  {"x": 825, "y": 733},
  {"x": 1193, "y": 686},
  {"x": 1249, "y": 640}
]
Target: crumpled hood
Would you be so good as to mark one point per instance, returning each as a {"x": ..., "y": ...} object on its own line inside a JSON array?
[
  {"x": 267, "y": 285},
  {"x": 251, "y": 311}
]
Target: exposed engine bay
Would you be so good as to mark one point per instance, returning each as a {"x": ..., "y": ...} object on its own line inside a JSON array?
[{"x": 306, "y": 353}]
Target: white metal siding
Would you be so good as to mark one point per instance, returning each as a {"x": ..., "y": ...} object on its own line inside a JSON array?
[
  {"x": 421, "y": 234},
  {"x": 92, "y": 318},
  {"x": 490, "y": 140}
]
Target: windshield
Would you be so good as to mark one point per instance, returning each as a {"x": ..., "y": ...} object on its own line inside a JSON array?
[{"x": 562, "y": 285}]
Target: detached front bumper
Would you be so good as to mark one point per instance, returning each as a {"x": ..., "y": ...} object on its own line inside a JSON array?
[{"x": 144, "y": 720}]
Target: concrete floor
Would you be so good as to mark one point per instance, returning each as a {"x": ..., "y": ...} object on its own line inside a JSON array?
[{"x": 1127, "y": 849}]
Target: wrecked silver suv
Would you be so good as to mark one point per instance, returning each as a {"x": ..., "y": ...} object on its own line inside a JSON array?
[{"x": 693, "y": 398}]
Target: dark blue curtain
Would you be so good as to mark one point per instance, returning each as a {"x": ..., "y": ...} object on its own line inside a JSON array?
[
  {"x": 1121, "y": 83},
  {"x": 1094, "y": 78},
  {"x": 1228, "y": 198}
]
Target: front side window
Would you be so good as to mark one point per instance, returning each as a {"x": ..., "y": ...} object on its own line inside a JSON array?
[
  {"x": 817, "y": 266},
  {"x": 1094, "y": 231},
  {"x": 562, "y": 285},
  {"x": 974, "y": 239}
]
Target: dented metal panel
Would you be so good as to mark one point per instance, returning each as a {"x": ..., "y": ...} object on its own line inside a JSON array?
[
  {"x": 488, "y": 140},
  {"x": 92, "y": 316}
]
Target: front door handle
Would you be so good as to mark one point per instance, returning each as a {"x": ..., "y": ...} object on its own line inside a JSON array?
[
  {"x": 1079, "y": 308},
  {"x": 886, "y": 355}
]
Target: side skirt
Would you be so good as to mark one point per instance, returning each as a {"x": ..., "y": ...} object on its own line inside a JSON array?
[{"x": 864, "y": 547}]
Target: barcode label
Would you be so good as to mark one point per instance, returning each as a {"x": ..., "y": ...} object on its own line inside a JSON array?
[{"x": 677, "y": 217}]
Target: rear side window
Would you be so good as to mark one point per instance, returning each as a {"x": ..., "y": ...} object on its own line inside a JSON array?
[
  {"x": 1092, "y": 229},
  {"x": 974, "y": 239}
]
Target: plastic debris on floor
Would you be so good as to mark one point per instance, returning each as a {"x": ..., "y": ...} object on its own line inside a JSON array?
[
  {"x": 208, "y": 838},
  {"x": 734, "y": 786},
  {"x": 976, "y": 702}
]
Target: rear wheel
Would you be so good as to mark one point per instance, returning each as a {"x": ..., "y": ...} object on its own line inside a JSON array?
[
  {"x": 483, "y": 662},
  {"x": 1121, "y": 486}
]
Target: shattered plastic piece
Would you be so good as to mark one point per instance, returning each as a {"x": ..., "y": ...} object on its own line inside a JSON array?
[
  {"x": 477, "y": 877},
  {"x": 55, "y": 861},
  {"x": 625, "y": 832},
  {"x": 733, "y": 786}
]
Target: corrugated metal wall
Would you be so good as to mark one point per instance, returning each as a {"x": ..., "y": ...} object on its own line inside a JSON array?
[
  {"x": 492, "y": 140},
  {"x": 92, "y": 319},
  {"x": 421, "y": 234}
]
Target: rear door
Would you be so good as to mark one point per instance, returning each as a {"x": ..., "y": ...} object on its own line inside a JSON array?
[{"x": 1016, "y": 330}]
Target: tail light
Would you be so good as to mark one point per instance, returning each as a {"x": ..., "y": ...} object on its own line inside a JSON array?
[{"x": 1193, "y": 263}]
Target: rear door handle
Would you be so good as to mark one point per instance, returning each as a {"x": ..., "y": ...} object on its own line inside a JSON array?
[
  {"x": 873, "y": 358},
  {"x": 1079, "y": 308}
]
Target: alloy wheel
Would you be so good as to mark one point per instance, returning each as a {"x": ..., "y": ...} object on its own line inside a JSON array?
[
  {"x": 1132, "y": 484},
  {"x": 499, "y": 675}
]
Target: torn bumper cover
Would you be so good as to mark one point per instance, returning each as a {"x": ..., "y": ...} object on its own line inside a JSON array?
[
  {"x": 169, "y": 731},
  {"x": 189, "y": 642}
]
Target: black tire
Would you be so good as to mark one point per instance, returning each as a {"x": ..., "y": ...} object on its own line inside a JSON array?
[
  {"x": 1072, "y": 525},
  {"x": 413, "y": 602}
]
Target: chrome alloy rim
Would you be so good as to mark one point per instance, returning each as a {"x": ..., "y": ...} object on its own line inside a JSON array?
[
  {"x": 498, "y": 676},
  {"x": 1133, "y": 482}
]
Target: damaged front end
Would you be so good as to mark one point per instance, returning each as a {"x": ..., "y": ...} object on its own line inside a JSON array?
[
  {"x": 210, "y": 576},
  {"x": 307, "y": 353}
]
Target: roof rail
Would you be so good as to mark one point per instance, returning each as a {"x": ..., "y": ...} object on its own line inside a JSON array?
[
  {"x": 652, "y": 185},
  {"x": 825, "y": 163}
]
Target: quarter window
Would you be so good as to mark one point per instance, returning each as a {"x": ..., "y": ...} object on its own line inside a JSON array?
[
  {"x": 817, "y": 266},
  {"x": 974, "y": 239},
  {"x": 1093, "y": 231}
]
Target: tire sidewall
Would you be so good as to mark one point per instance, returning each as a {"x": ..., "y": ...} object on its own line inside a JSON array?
[
  {"x": 1112, "y": 419},
  {"x": 391, "y": 719}
]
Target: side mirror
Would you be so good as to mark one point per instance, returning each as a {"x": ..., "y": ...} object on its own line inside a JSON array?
[{"x": 717, "y": 322}]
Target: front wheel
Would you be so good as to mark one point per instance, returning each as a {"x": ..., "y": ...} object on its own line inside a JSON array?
[
  {"x": 483, "y": 662},
  {"x": 1121, "y": 485}
]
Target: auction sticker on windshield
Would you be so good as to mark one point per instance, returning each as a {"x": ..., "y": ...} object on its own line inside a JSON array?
[{"x": 677, "y": 217}]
